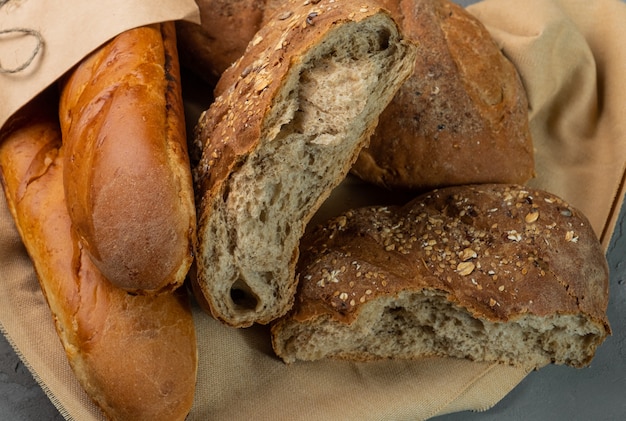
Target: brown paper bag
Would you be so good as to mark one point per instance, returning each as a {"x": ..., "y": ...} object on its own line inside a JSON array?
[
  {"x": 39, "y": 41},
  {"x": 573, "y": 71}
]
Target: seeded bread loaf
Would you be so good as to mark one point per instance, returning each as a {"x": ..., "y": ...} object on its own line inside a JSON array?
[
  {"x": 461, "y": 118},
  {"x": 134, "y": 355},
  {"x": 292, "y": 115},
  {"x": 486, "y": 272}
]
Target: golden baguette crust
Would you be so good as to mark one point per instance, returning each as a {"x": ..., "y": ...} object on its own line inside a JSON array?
[
  {"x": 134, "y": 355},
  {"x": 501, "y": 253},
  {"x": 461, "y": 118},
  {"x": 127, "y": 174}
]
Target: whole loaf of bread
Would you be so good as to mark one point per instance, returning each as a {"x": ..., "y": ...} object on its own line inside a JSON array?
[
  {"x": 127, "y": 174},
  {"x": 461, "y": 118},
  {"x": 134, "y": 355},
  {"x": 491, "y": 272}
]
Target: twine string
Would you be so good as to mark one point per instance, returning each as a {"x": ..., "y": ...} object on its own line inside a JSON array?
[{"x": 26, "y": 32}]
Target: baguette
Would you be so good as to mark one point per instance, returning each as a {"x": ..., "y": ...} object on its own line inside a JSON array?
[
  {"x": 461, "y": 118},
  {"x": 289, "y": 121},
  {"x": 498, "y": 273},
  {"x": 127, "y": 175},
  {"x": 134, "y": 355}
]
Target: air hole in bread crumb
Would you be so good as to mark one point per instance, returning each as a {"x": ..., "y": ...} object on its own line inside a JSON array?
[
  {"x": 242, "y": 295},
  {"x": 383, "y": 39}
]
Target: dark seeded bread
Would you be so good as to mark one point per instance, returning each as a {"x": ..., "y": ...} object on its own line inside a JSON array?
[
  {"x": 461, "y": 118},
  {"x": 291, "y": 116},
  {"x": 488, "y": 272}
]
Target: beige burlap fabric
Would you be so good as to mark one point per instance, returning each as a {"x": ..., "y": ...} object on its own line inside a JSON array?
[{"x": 571, "y": 55}]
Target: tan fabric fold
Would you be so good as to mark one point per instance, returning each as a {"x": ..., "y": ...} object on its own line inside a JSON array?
[{"x": 571, "y": 55}]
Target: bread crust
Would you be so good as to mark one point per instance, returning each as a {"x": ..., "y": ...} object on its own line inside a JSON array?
[
  {"x": 134, "y": 355},
  {"x": 246, "y": 91},
  {"x": 226, "y": 28},
  {"x": 238, "y": 122},
  {"x": 127, "y": 175},
  {"x": 499, "y": 252},
  {"x": 461, "y": 118}
]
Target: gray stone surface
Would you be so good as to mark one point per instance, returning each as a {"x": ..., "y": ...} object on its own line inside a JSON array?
[{"x": 21, "y": 398}]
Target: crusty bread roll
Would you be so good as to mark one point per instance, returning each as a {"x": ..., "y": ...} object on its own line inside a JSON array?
[
  {"x": 126, "y": 173},
  {"x": 487, "y": 272},
  {"x": 226, "y": 28},
  {"x": 135, "y": 356},
  {"x": 293, "y": 114},
  {"x": 461, "y": 118}
]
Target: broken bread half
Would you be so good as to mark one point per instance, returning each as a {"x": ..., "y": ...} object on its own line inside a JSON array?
[
  {"x": 498, "y": 273},
  {"x": 289, "y": 119}
]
